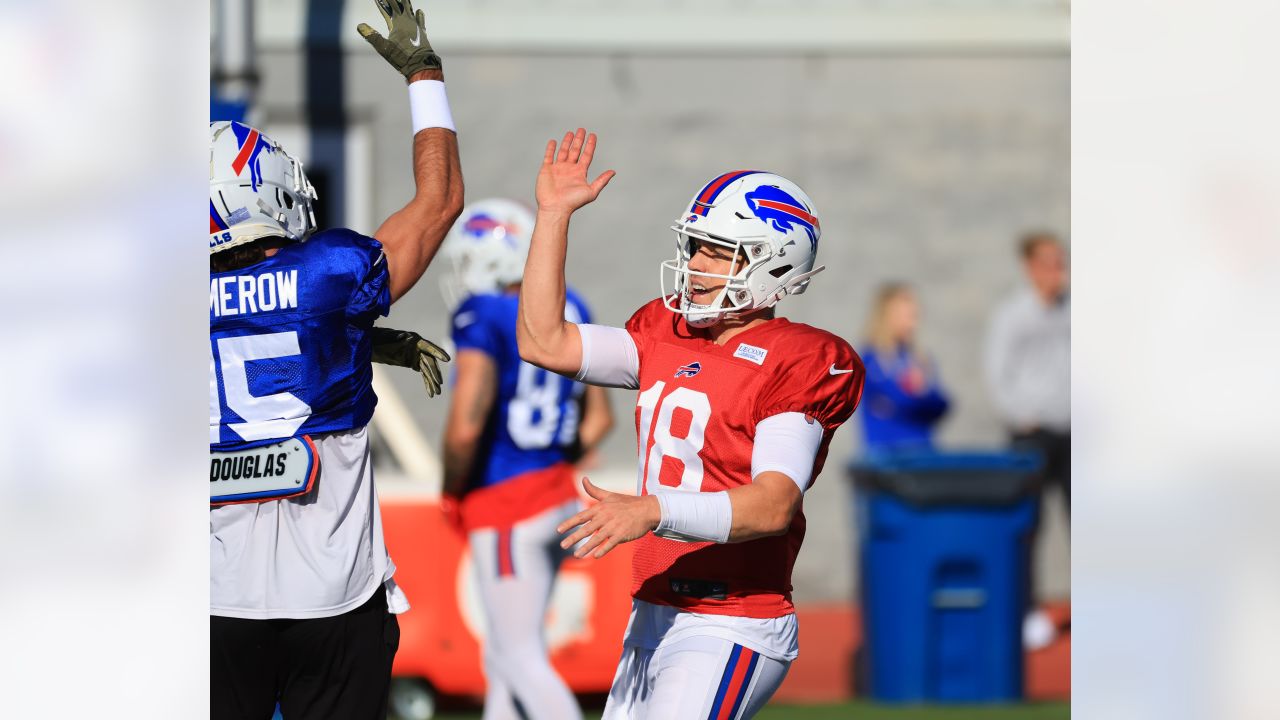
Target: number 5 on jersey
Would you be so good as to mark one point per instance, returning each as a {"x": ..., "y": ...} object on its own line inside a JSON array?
[{"x": 265, "y": 417}]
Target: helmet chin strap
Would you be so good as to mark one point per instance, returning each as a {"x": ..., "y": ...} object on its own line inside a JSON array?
[
  {"x": 702, "y": 316},
  {"x": 703, "y": 319}
]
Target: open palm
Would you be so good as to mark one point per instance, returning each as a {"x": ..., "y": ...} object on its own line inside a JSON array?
[{"x": 562, "y": 182}]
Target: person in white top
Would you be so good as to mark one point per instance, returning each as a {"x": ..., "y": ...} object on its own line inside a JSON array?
[
  {"x": 1028, "y": 368},
  {"x": 1028, "y": 358},
  {"x": 302, "y": 599}
]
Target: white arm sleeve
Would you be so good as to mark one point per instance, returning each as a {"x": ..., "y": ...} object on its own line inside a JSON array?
[
  {"x": 695, "y": 516},
  {"x": 609, "y": 357},
  {"x": 787, "y": 443}
]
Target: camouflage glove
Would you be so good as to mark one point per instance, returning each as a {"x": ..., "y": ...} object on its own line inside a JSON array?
[
  {"x": 406, "y": 46},
  {"x": 405, "y": 348}
]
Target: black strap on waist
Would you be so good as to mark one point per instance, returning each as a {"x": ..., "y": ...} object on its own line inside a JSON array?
[{"x": 714, "y": 589}]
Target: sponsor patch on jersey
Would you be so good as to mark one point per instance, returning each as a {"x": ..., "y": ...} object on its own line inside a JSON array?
[
  {"x": 689, "y": 370},
  {"x": 751, "y": 352}
]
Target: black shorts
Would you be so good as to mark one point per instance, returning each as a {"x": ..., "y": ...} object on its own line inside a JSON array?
[{"x": 333, "y": 667}]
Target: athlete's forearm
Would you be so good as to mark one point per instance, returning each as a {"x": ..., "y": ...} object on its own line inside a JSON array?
[
  {"x": 418, "y": 229},
  {"x": 412, "y": 235},
  {"x": 458, "y": 458},
  {"x": 461, "y": 445},
  {"x": 763, "y": 508},
  {"x": 474, "y": 393},
  {"x": 545, "y": 338}
]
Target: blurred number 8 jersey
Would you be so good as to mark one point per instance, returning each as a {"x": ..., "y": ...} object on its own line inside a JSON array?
[
  {"x": 696, "y": 417},
  {"x": 289, "y": 356},
  {"x": 534, "y": 424}
]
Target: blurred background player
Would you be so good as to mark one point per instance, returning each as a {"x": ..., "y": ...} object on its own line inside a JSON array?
[
  {"x": 904, "y": 399},
  {"x": 736, "y": 413},
  {"x": 301, "y": 590},
  {"x": 512, "y": 434}
]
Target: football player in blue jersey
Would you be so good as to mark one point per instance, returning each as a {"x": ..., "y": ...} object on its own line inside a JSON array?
[
  {"x": 302, "y": 599},
  {"x": 512, "y": 434}
]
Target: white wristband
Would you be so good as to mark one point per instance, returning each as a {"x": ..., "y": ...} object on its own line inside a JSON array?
[
  {"x": 429, "y": 106},
  {"x": 695, "y": 516}
]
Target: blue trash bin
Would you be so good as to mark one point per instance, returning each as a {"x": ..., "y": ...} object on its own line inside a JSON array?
[{"x": 943, "y": 548}]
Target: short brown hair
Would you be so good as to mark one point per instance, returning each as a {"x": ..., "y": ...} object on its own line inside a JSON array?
[
  {"x": 1029, "y": 241},
  {"x": 245, "y": 255}
]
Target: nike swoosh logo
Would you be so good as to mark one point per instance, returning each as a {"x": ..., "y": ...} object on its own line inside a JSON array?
[{"x": 834, "y": 371}]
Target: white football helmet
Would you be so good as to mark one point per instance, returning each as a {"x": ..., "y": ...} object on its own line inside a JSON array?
[
  {"x": 487, "y": 248},
  {"x": 770, "y": 226},
  {"x": 256, "y": 189}
]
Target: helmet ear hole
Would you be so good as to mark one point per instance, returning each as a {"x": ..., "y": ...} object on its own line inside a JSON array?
[
  {"x": 288, "y": 200},
  {"x": 780, "y": 271}
]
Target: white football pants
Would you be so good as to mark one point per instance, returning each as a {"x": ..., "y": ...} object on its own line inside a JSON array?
[
  {"x": 515, "y": 568},
  {"x": 698, "y": 677}
]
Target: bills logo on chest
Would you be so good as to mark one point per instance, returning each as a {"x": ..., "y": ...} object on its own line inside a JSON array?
[{"x": 689, "y": 370}]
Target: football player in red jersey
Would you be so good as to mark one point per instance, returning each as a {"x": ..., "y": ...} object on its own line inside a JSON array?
[{"x": 735, "y": 412}]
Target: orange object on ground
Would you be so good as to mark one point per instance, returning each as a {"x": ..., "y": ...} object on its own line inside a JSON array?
[
  {"x": 441, "y": 635},
  {"x": 1049, "y": 669}
]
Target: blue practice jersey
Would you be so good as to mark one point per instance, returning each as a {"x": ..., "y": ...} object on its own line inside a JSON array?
[
  {"x": 534, "y": 421},
  {"x": 289, "y": 341}
]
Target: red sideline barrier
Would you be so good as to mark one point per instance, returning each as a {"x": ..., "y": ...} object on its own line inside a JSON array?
[{"x": 440, "y": 635}]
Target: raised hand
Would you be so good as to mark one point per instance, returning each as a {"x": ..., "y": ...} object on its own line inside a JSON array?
[
  {"x": 562, "y": 182},
  {"x": 406, "y": 46},
  {"x": 615, "y": 519}
]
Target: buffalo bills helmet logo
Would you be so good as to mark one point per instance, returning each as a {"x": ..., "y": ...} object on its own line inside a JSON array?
[
  {"x": 251, "y": 143},
  {"x": 689, "y": 370},
  {"x": 781, "y": 211},
  {"x": 480, "y": 225}
]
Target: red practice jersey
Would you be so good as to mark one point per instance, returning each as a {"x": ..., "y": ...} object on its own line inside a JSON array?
[{"x": 696, "y": 419}]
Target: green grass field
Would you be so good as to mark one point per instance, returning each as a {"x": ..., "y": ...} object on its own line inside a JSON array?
[{"x": 869, "y": 711}]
